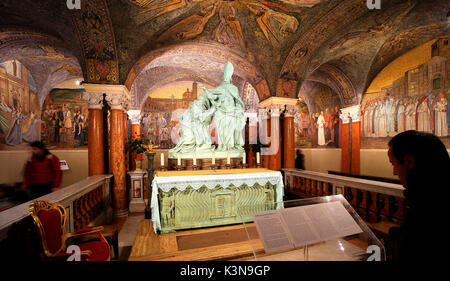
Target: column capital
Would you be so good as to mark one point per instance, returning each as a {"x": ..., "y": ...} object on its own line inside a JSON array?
[
  {"x": 275, "y": 109},
  {"x": 352, "y": 112},
  {"x": 135, "y": 116},
  {"x": 117, "y": 96},
  {"x": 118, "y": 101},
  {"x": 94, "y": 100},
  {"x": 290, "y": 110}
]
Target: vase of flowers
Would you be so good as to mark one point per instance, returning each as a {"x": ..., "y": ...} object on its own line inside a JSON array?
[{"x": 139, "y": 146}]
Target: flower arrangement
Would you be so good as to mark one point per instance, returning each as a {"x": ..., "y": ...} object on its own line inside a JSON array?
[{"x": 139, "y": 145}]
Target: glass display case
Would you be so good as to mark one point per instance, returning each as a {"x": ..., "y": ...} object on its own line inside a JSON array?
[{"x": 314, "y": 229}]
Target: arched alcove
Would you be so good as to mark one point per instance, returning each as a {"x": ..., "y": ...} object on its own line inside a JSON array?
[{"x": 410, "y": 93}]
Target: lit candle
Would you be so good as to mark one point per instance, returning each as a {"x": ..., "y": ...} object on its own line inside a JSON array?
[
  {"x": 243, "y": 157},
  {"x": 228, "y": 158},
  {"x": 213, "y": 158},
  {"x": 257, "y": 158},
  {"x": 195, "y": 159},
  {"x": 162, "y": 159},
  {"x": 179, "y": 159}
]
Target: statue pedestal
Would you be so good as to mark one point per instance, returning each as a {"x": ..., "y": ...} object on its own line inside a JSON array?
[{"x": 137, "y": 203}]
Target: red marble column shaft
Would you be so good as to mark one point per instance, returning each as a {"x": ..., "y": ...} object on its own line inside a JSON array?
[
  {"x": 127, "y": 155},
  {"x": 351, "y": 159},
  {"x": 117, "y": 163},
  {"x": 95, "y": 144},
  {"x": 288, "y": 142}
]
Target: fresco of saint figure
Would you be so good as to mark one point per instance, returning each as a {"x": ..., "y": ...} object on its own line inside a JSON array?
[{"x": 321, "y": 129}]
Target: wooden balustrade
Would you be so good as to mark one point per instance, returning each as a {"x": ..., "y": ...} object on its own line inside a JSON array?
[
  {"x": 380, "y": 204},
  {"x": 373, "y": 200},
  {"x": 88, "y": 207},
  {"x": 87, "y": 202}
]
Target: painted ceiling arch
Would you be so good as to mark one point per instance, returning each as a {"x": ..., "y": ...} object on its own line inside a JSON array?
[
  {"x": 48, "y": 59},
  {"x": 368, "y": 44},
  {"x": 51, "y": 19},
  {"x": 409, "y": 39},
  {"x": 198, "y": 62},
  {"x": 280, "y": 39},
  {"x": 337, "y": 80}
]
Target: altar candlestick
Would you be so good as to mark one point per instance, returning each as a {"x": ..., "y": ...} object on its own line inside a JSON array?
[
  {"x": 228, "y": 158},
  {"x": 213, "y": 158},
  {"x": 257, "y": 158},
  {"x": 162, "y": 159},
  {"x": 179, "y": 160},
  {"x": 195, "y": 160},
  {"x": 243, "y": 157}
]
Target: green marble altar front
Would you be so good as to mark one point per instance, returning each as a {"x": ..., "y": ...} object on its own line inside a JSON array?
[{"x": 193, "y": 201}]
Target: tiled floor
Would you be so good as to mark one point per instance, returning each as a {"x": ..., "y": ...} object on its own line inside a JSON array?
[{"x": 127, "y": 234}]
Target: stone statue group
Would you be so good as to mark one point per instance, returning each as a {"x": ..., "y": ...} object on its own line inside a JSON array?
[{"x": 225, "y": 108}]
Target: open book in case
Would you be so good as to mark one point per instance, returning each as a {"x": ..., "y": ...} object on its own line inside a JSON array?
[{"x": 315, "y": 229}]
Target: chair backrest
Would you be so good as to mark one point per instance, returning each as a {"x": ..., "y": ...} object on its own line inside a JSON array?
[{"x": 50, "y": 220}]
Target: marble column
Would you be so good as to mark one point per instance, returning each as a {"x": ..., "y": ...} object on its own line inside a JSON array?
[
  {"x": 135, "y": 117},
  {"x": 126, "y": 147},
  {"x": 95, "y": 133},
  {"x": 289, "y": 137},
  {"x": 118, "y": 103},
  {"x": 277, "y": 142},
  {"x": 275, "y": 138}
]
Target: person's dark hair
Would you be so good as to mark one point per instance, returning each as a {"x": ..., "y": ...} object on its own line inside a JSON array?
[
  {"x": 432, "y": 162},
  {"x": 40, "y": 145}
]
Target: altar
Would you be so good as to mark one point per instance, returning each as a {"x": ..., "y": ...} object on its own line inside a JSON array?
[{"x": 194, "y": 199}]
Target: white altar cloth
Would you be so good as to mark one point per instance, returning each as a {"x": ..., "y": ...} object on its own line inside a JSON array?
[{"x": 211, "y": 181}]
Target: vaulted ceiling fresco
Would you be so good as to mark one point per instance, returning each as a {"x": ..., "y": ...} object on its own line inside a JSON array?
[{"x": 277, "y": 46}]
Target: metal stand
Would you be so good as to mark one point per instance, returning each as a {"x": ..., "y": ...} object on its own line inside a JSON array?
[{"x": 150, "y": 176}]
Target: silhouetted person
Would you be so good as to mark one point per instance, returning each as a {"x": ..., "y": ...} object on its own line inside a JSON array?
[
  {"x": 42, "y": 172},
  {"x": 300, "y": 160},
  {"x": 422, "y": 163}
]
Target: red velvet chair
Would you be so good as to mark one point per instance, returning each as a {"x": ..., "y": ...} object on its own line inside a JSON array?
[{"x": 50, "y": 219}]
